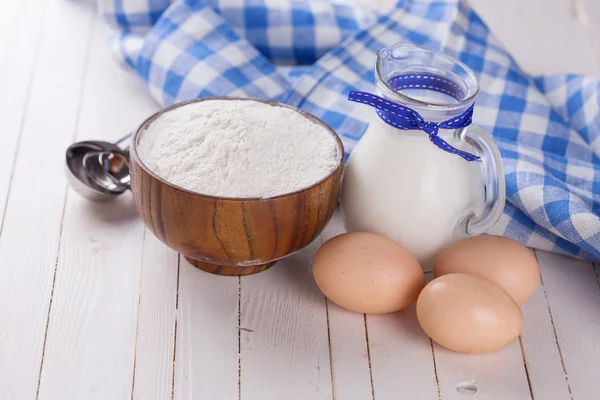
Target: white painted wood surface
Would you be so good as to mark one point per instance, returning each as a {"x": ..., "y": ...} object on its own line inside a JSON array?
[
  {"x": 275, "y": 365},
  {"x": 206, "y": 360},
  {"x": 541, "y": 353},
  {"x": 91, "y": 307},
  {"x": 94, "y": 303},
  {"x": 573, "y": 293},
  {"x": 46, "y": 117},
  {"x": 349, "y": 346},
  {"x": 156, "y": 324}
]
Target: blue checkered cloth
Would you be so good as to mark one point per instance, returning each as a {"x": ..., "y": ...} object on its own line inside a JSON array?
[{"x": 311, "y": 54}]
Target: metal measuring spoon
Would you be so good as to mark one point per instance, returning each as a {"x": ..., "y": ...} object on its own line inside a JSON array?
[
  {"x": 76, "y": 175},
  {"x": 108, "y": 169}
]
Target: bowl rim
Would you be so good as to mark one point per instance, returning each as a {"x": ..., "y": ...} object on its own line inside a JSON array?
[{"x": 135, "y": 156}]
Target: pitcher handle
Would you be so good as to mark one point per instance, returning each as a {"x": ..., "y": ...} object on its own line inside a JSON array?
[{"x": 495, "y": 185}]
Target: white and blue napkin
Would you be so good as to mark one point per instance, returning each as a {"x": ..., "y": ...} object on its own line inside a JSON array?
[{"x": 311, "y": 54}]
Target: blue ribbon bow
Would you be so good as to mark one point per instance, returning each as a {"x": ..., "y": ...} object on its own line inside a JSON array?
[{"x": 405, "y": 118}]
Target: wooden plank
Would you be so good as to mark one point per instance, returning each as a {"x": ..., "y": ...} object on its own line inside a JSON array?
[
  {"x": 351, "y": 373},
  {"x": 206, "y": 361},
  {"x": 378, "y": 355},
  {"x": 544, "y": 36},
  {"x": 20, "y": 31},
  {"x": 90, "y": 343},
  {"x": 568, "y": 49},
  {"x": 498, "y": 375},
  {"x": 91, "y": 334},
  {"x": 203, "y": 351},
  {"x": 155, "y": 344},
  {"x": 348, "y": 341},
  {"x": 116, "y": 100},
  {"x": 540, "y": 350},
  {"x": 489, "y": 373},
  {"x": 401, "y": 357},
  {"x": 574, "y": 298},
  {"x": 284, "y": 346},
  {"x": 10, "y": 18},
  {"x": 31, "y": 230},
  {"x": 454, "y": 370}
]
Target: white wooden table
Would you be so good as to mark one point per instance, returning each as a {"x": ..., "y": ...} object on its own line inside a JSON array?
[{"x": 94, "y": 307}]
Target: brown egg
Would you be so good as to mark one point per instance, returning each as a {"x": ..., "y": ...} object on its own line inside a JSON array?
[
  {"x": 367, "y": 273},
  {"x": 468, "y": 314},
  {"x": 500, "y": 260}
]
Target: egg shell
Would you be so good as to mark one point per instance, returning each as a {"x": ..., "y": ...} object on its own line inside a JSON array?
[
  {"x": 367, "y": 273},
  {"x": 468, "y": 314},
  {"x": 498, "y": 259}
]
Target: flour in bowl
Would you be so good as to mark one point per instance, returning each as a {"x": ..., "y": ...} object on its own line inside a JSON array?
[{"x": 238, "y": 148}]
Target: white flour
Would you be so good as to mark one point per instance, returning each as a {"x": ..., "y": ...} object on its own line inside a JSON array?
[{"x": 238, "y": 148}]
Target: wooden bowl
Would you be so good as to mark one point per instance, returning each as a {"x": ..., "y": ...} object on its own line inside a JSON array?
[{"x": 232, "y": 236}]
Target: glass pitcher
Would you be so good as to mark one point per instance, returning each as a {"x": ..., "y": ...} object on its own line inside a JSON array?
[{"x": 401, "y": 185}]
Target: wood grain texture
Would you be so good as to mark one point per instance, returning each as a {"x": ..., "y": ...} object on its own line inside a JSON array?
[
  {"x": 43, "y": 111},
  {"x": 495, "y": 376},
  {"x": 574, "y": 298},
  {"x": 284, "y": 349},
  {"x": 398, "y": 356},
  {"x": 91, "y": 343},
  {"x": 18, "y": 50},
  {"x": 350, "y": 358},
  {"x": 350, "y": 364},
  {"x": 206, "y": 360},
  {"x": 92, "y": 325},
  {"x": 488, "y": 375},
  {"x": 91, "y": 333},
  {"x": 232, "y": 236},
  {"x": 401, "y": 357},
  {"x": 157, "y": 315},
  {"x": 540, "y": 350}
]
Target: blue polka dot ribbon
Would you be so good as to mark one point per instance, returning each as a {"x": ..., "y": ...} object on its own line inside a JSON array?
[{"x": 402, "y": 117}]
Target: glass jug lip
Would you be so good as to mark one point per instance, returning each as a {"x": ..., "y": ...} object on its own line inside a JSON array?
[{"x": 467, "y": 101}]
